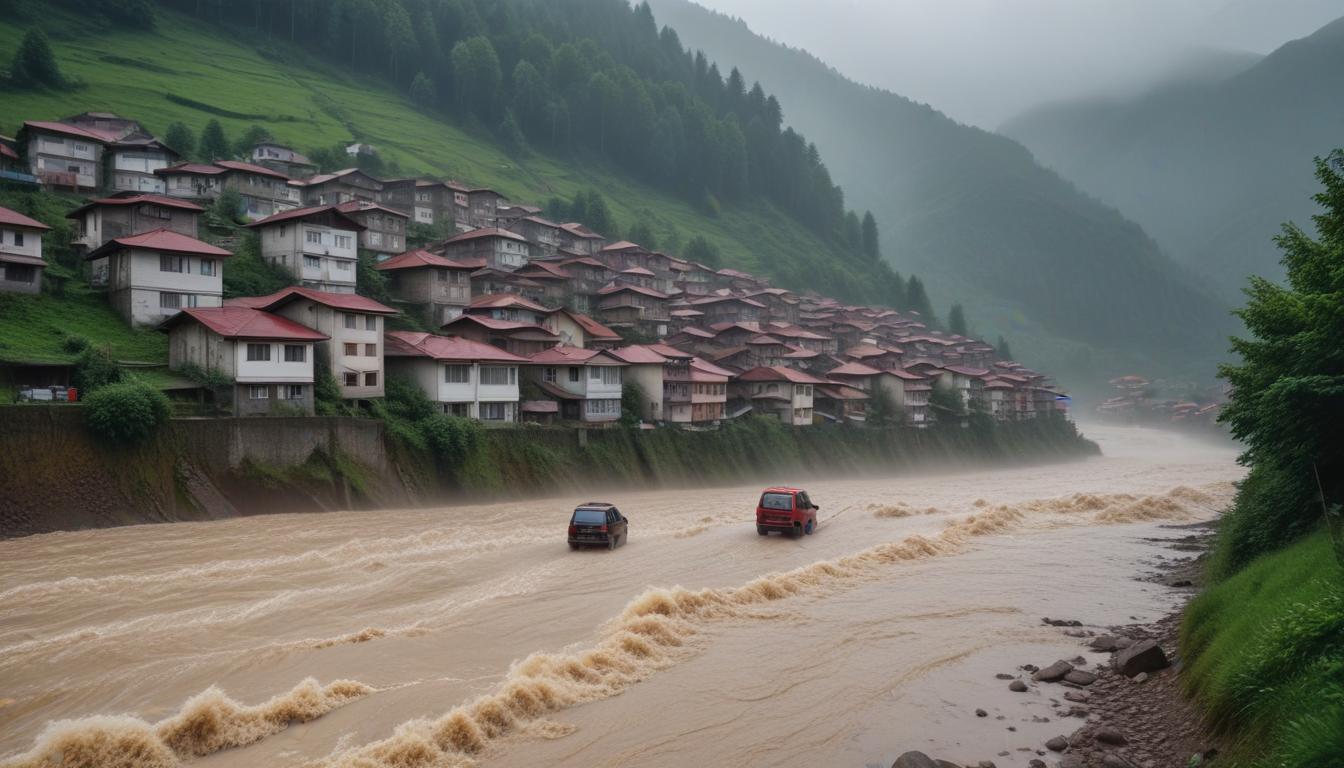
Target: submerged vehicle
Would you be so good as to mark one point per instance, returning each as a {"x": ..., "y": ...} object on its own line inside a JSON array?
[
  {"x": 787, "y": 510},
  {"x": 597, "y": 523}
]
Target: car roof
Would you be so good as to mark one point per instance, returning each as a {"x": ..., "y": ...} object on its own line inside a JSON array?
[
  {"x": 595, "y": 505},
  {"x": 783, "y": 489}
]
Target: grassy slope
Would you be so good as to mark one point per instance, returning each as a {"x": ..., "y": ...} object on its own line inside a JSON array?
[
  {"x": 306, "y": 103},
  {"x": 1265, "y": 655}
]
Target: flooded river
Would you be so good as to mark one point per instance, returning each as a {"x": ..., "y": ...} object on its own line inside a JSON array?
[{"x": 473, "y": 634}]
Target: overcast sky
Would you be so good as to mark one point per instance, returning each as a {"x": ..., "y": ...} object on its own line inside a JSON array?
[{"x": 985, "y": 61}]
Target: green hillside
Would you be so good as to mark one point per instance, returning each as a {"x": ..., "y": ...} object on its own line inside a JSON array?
[
  {"x": 1211, "y": 169},
  {"x": 1076, "y": 287},
  {"x": 184, "y": 70}
]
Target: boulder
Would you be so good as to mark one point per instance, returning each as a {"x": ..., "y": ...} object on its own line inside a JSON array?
[
  {"x": 1078, "y": 697},
  {"x": 1072, "y": 761},
  {"x": 1108, "y": 735},
  {"x": 1003, "y": 676},
  {"x": 1079, "y": 677},
  {"x": 1114, "y": 761},
  {"x": 1143, "y": 656},
  {"x": 981, "y": 713},
  {"x": 914, "y": 760},
  {"x": 1142, "y": 677},
  {"x": 1061, "y": 622},
  {"x": 1017, "y": 686},
  {"x": 1036, "y": 762},
  {"x": 1054, "y": 672},
  {"x": 1057, "y": 744},
  {"x": 1109, "y": 643}
]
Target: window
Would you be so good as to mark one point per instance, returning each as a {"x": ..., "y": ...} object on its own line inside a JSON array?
[
  {"x": 258, "y": 391},
  {"x": 295, "y": 353},
  {"x": 343, "y": 241},
  {"x": 370, "y": 323},
  {"x": 457, "y": 374},
  {"x": 494, "y": 411},
  {"x": 313, "y": 237},
  {"x": 442, "y": 275},
  {"x": 349, "y": 321},
  {"x": 170, "y": 300},
  {"x": 780, "y": 501},
  {"x": 312, "y": 262},
  {"x": 20, "y": 273},
  {"x": 574, "y": 374},
  {"x": 595, "y": 373},
  {"x": 18, "y": 238},
  {"x": 351, "y": 350},
  {"x": 611, "y": 376},
  {"x": 351, "y": 379},
  {"x": 289, "y": 392},
  {"x": 342, "y": 266},
  {"x": 371, "y": 379},
  {"x": 548, "y": 375},
  {"x": 257, "y": 353},
  {"x": 370, "y": 350},
  {"x": 498, "y": 376},
  {"x": 208, "y": 267},
  {"x": 170, "y": 263}
]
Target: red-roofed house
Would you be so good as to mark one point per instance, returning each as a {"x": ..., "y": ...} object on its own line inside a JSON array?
[
  {"x": 384, "y": 228},
  {"x": 21, "y": 261},
  {"x": 155, "y": 274},
  {"x": 64, "y": 156},
  {"x": 709, "y": 392},
  {"x": 630, "y": 306},
  {"x": 581, "y": 330},
  {"x": 586, "y": 382},
  {"x": 467, "y": 378},
  {"x": 264, "y": 191},
  {"x": 543, "y": 234},
  {"x": 440, "y": 285},
  {"x": 340, "y": 187},
  {"x": 508, "y": 306},
  {"x": 580, "y": 239},
  {"x": 778, "y": 391},
  {"x": 269, "y": 358},
  {"x": 497, "y": 248},
  {"x": 663, "y": 376},
  {"x": 730, "y": 309},
  {"x": 521, "y": 339},
  {"x": 317, "y": 245},
  {"x": 353, "y": 325},
  {"x": 906, "y": 390},
  {"x": 131, "y": 214}
]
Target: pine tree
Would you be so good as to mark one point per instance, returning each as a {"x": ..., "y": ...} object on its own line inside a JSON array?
[
  {"x": 422, "y": 90},
  {"x": 35, "y": 64},
  {"x": 701, "y": 251},
  {"x": 871, "y": 248},
  {"x": 253, "y": 136},
  {"x": 214, "y": 144},
  {"x": 181, "y": 139},
  {"x": 956, "y": 321},
  {"x": 916, "y": 300},
  {"x": 1003, "y": 350},
  {"x": 641, "y": 233},
  {"x": 853, "y": 233},
  {"x": 596, "y": 215}
]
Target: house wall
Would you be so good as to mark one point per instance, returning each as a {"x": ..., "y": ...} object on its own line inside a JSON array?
[
  {"x": 65, "y": 160},
  {"x": 137, "y": 283},
  {"x": 331, "y": 322},
  {"x": 133, "y": 170},
  {"x": 331, "y": 252},
  {"x": 20, "y": 278},
  {"x": 649, "y": 379},
  {"x": 192, "y": 185},
  {"x": 21, "y": 242},
  {"x": 99, "y": 225},
  {"x": 430, "y": 377}
]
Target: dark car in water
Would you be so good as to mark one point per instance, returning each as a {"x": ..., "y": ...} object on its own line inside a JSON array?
[{"x": 597, "y": 523}]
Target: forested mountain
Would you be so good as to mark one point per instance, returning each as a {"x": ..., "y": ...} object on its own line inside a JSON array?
[
  {"x": 1069, "y": 280},
  {"x": 1210, "y": 169}
]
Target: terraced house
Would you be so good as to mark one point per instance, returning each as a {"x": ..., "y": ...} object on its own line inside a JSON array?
[
  {"x": 441, "y": 286},
  {"x": 585, "y": 382},
  {"x": 466, "y": 378}
]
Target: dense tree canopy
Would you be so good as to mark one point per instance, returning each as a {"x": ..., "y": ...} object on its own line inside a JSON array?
[{"x": 34, "y": 64}]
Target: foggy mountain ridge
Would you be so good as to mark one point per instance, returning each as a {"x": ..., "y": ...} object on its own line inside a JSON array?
[
  {"x": 1073, "y": 284},
  {"x": 1211, "y": 169}
]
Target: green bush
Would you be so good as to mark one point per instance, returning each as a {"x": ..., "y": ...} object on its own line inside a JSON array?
[
  {"x": 95, "y": 368},
  {"x": 75, "y": 344},
  {"x": 127, "y": 413}
]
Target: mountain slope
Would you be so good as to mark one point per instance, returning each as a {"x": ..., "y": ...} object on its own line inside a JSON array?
[
  {"x": 1212, "y": 169},
  {"x": 1067, "y": 279},
  {"x": 184, "y": 70}
]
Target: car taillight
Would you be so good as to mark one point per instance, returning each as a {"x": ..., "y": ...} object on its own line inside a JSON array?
[
  {"x": 573, "y": 529},
  {"x": 602, "y": 529}
]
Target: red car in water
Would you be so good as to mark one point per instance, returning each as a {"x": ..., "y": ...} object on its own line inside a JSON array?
[{"x": 787, "y": 510}]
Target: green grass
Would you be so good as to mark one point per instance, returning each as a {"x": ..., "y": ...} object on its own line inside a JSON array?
[
  {"x": 185, "y": 72},
  {"x": 33, "y": 329},
  {"x": 1265, "y": 657}
]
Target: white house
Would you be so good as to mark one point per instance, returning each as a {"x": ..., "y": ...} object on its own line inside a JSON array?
[
  {"x": 778, "y": 391},
  {"x": 318, "y": 245},
  {"x": 21, "y": 261},
  {"x": 468, "y": 378},
  {"x": 155, "y": 274},
  {"x": 352, "y": 324},
  {"x": 586, "y": 382},
  {"x": 131, "y": 214},
  {"x": 268, "y": 358}
]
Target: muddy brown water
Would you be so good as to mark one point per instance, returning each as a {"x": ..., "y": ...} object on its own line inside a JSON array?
[{"x": 472, "y": 634}]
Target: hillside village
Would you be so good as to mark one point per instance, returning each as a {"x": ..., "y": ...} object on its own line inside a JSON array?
[{"x": 527, "y": 319}]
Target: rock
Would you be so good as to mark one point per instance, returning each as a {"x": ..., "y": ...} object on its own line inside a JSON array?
[
  {"x": 1143, "y": 656},
  {"x": 946, "y": 764},
  {"x": 1078, "y": 697},
  {"x": 1028, "y": 667},
  {"x": 1003, "y": 676},
  {"x": 1075, "y": 712},
  {"x": 914, "y": 760},
  {"x": 1123, "y": 642},
  {"x": 1182, "y": 583},
  {"x": 981, "y": 713},
  {"x": 1109, "y": 643},
  {"x": 1013, "y": 728},
  {"x": 1142, "y": 677},
  {"x": 1114, "y": 761},
  {"x": 1036, "y": 762},
  {"x": 1061, "y": 622},
  {"x": 1054, "y": 672},
  {"x": 1079, "y": 677},
  {"x": 1108, "y": 735},
  {"x": 1076, "y": 633},
  {"x": 1057, "y": 744},
  {"x": 1077, "y": 661},
  {"x": 1017, "y": 686},
  {"x": 1072, "y": 761}
]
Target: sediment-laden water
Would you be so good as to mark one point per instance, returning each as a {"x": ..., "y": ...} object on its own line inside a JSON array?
[{"x": 473, "y": 635}]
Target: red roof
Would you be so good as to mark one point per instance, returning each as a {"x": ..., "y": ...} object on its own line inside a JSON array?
[
  {"x": 615, "y": 288},
  {"x": 199, "y": 169},
  {"x": 500, "y": 325},
  {"x": 566, "y": 355},
  {"x": 486, "y": 232},
  {"x": 779, "y": 373},
  {"x": 7, "y": 151},
  {"x": 706, "y": 371},
  {"x": 853, "y": 369},
  {"x": 161, "y": 239},
  {"x": 359, "y": 206},
  {"x": 234, "y": 322},
  {"x": 167, "y": 202},
  {"x": 623, "y": 245},
  {"x": 12, "y": 218},
  {"x": 449, "y": 348},
  {"x": 303, "y": 213},
  {"x": 20, "y": 258},
  {"x": 642, "y": 272},
  {"x": 235, "y": 165},
  {"x": 579, "y": 230},
  {"x": 69, "y": 130},
  {"x": 505, "y": 300},
  {"x": 591, "y": 326},
  {"x": 639, "y": 354},
  {"x": 347, "y": 302},
  {"x": 417, "y": 259},
  {"x": 544, "y": 270}
]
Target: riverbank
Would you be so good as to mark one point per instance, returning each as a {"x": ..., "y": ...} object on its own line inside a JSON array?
[{"x": 55, "y": 475}]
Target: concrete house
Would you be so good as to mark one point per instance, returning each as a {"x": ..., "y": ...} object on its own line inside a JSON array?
[
  {"x": 556, "y": 283},
  {"x": 467, "y": 378},
  {"x": 730, "y": 309},
  {"x": 496, "y": 248},
  {"x": 483, "y": 204},
  {"x": 341, "y": 187},
  {"x": 663, "y": 375},
  {"x": 268, "y": 358},
  {"x": 264, "y": 191},
  {"x": 585, "y": 382},
  {"x": 580, "y": 330},
  {"x": 64, "y": 156},
  {"x": 156, "y": 274},
  {"x": 778, "y": 391},
  {"x": 132, "y": 164},
  {"x": 580, "y": 240},
  {"x": 905, "y": 389},
  {"x": 587, "y": 277},
  {"x": 643, "y": 310},
  {"x": 509, "y": 306},
  {"x": 441, "y": 285},
  {"x": 543, "y": 234},
  {"x": 384, "y": 228},
  {"x": 131, "y": 214},
  {"x": 21, "y": 262},
  {"x": 522, "y": 339},
  {"x": 317, "y": 245},
  {"x": 709, "y": 392},
  {"x": 353, "y": 326},
  {"x": 488, "y": 280},
  {"x": 283, "y": 159}
]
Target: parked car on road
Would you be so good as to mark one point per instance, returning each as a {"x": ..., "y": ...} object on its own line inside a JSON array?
[
  {"x": 597, "y": 523},
  {"x": 787, "y": 510}
]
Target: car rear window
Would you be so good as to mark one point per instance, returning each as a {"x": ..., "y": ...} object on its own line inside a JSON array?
[
  {"x": 777, "y": 501},
  {"x": 590, "y": 516}
]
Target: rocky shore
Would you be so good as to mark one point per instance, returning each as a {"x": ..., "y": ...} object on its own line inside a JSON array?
[{"x": 1124, "y": 712}]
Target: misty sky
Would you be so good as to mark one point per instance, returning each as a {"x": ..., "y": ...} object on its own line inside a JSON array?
[{"x": 985, "y": 61}]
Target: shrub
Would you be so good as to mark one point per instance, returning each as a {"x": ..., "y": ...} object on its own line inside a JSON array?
[
  {"x": 128, "y": 412},
  {"x": 74, "y": 344},
  {"x": 95, "y": 368}
]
